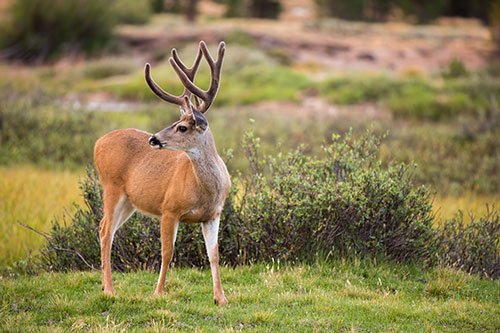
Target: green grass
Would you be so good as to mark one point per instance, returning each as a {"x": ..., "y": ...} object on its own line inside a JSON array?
[
  {"x": 357, "y": 296},
  {"x": 250, "y": 76},
  {"x": 414, "y": 97}
]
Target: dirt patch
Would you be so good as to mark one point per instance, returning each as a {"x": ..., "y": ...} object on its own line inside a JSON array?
[{"x": 334, "y": 46}]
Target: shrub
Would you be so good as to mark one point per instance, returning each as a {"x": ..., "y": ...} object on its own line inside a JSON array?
[
  {"x": 107, "y": 67},
  {"x": 422, "y": 102},
  {"x": 456, "y": 68},
  {"x": 132, "y": 11},
  {"x": 253, "y": 8},
  {"x": 291, "y": 207},
  {"x": 352, "y": 90},
  {"x": 474, "y": 246},
  {"x": 495, "y": 23},
  {"x": 40, "y": 29},
  {"x": 470, "y": 144},
  {"x": 34, "y": 130}
]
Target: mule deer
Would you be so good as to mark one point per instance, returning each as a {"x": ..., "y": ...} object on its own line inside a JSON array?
[{"x": 182, "y": 180}]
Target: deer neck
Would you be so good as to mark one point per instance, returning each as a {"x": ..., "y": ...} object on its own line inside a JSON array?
[{"x": 207, "y": 166}]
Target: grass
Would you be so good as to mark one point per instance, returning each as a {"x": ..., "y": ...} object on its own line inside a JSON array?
[
  {"x": 414, "y": 97},
  {"x": 346, "y": 296},
  {"x": 31, "y": 196},
  {"x": 445, "y": 207}
]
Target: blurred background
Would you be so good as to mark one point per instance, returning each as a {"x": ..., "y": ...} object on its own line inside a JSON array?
[{"x": 424, "y": 74}]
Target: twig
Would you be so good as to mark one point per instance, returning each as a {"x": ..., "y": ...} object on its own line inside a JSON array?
[{"x": 46, "y": 236}]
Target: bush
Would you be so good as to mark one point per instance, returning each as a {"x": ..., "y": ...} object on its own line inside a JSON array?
[
  {"x": 34, "y": 130},
  {"x": 421, "y": 102},
  {"x": 412, "y": 98},
  {"x": 40, "y": 29},
  {"x": 495, "y": 23},
  {"x": 456, "y": 68},
  {"x": 474, "y": 246},
  {"x": 132, "y": 11},
  {"x": 292, "y": 207},
  {"x": 108, "y": 67},
  {"x": 253, "y": 8},
  {"x": 470, "y": 143},
  {"x": 352, "y": 90}
]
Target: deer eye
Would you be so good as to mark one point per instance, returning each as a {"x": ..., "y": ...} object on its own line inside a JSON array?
[{"x": 182, "y": 129}]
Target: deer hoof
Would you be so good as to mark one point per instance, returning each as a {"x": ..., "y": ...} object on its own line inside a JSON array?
[
  {"x": 108, "y": 292},
  {"x": 221, "y": 301}
]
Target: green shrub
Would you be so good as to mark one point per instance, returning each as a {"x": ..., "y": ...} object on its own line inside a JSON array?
[
  {"x": 34, "y": 130},
  {"x": 132, "y": 11},
  {"x": 456, "y": 68},
  {"x": 453, "y": 160},
  {"x": 352, "y": 90},
  {"x": 421, "y": 102},
  {"x": 495, "y": 23},
  {"x": 40, "y": 29},
  {"x": 291, "y": 207},
  {"x": 108, "y": 67},
  {"x": 471, "y": 246}
]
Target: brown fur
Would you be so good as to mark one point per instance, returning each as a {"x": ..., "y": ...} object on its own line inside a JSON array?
[
  {"x": 186, "y": 182},
  {"x": 164, "y": 183}
]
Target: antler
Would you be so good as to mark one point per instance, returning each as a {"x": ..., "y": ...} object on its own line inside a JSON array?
[
  {"x": 189, "y": 72},
  {"x": 186, "y": 75}
]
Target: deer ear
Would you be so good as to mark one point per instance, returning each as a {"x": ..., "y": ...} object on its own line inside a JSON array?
[{"x": 199, "y": 119}]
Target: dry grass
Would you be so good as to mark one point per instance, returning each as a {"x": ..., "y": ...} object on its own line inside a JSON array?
[
  {"x": 445, "y": 207},
  {"x": 32, "y": 196}
]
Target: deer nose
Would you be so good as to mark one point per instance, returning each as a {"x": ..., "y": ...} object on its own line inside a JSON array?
[{"x": 154, "y": 142}]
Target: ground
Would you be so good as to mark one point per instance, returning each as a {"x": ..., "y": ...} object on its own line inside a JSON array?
[{"x": 344, "y": 296}]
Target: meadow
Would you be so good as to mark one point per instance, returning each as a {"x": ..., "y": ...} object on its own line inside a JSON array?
[
  {"x": 439, "y": 122},
  {"x": 340, "y": 296}
]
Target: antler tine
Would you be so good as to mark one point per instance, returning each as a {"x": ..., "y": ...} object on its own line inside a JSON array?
[
  {"x": 189, "y": 72},
  {"x": 159, "y": 91},
  {"x": 215, "y": 68}
]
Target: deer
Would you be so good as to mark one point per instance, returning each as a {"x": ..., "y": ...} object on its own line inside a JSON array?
[{"x": 175, "y": 174}]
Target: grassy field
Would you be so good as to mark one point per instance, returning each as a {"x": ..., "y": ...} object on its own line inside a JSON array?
[
  {"x": 346, "y": 296},
  {"x": 32, "y": 196},
  {"x": 443, "y": 117}
]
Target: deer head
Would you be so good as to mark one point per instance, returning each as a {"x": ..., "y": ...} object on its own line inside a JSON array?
[{"x": 191, "y": 130}]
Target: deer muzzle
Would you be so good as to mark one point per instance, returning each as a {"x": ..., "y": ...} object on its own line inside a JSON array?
[{"x": 154, "y": 142}]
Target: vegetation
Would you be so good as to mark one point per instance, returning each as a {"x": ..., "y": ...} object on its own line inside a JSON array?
[
  {"x": 359, "y": 208},
  {"x": 32, "y": 196},
  {"x": 344, "y": 295},
  {"x": 132, "y": 11},
  {"x": 32, "y": 130},
  {"x": 344, "y": 228},
  {"x": 382, "y": 10},
  {"x": 253, "y": 8},
  {"x": 416, "y": 98},
  {"x": 260, "y": 79},
  {"x": 37, "y": 30},
  {"x": 473, "y": 246}
]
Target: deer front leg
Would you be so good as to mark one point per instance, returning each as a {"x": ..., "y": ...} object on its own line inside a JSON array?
[
  {"x": 105, "y": 241},
  {"x": 168, "y": 233},
  {"x": 210, "y": 233},
  {"x": 117, "y": 209}
]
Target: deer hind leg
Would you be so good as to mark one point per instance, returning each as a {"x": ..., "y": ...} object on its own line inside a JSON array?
[
  {"x": 117, "y": 209},
  {"x": 168, "y": 232},
  {"x": 210, "y": 233}
]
